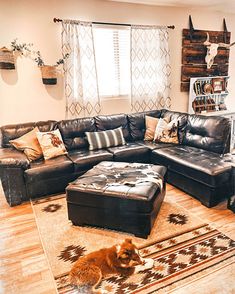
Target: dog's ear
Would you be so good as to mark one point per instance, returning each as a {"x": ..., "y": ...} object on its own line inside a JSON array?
[
  {"x": 121, "y": 252},
  {"x": 127, "y": 240},
  {"x": 118, "y": 250}
]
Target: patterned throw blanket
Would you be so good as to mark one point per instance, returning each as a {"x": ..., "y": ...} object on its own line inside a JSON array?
[{"x": 107, "y": 174}]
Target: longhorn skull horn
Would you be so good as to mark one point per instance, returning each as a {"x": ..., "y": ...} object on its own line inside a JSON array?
[
  {"x": 226, "y": 45},
  {"x": 207, "y": 42}
]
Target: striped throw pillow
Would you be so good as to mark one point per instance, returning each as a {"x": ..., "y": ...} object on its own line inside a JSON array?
[{"x": 104, "y": 139}]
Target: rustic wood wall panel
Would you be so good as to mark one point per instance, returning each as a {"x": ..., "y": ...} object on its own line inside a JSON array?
[{"x": 194, "y": 53}]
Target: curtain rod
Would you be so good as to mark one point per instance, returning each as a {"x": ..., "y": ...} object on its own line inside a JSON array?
[{"x": 110, "y": 23}]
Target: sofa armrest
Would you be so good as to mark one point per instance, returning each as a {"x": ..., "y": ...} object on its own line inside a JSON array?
[
  {"x": 13, "y": 158},
  {"x": 13, "y": 163}
]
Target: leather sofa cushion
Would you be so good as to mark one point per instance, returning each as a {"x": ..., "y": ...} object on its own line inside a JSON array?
[
  {"x": 180, "y": 117},
  {"x": 208, "y": 133},
  {"x": 73, "y": 132},
  {"x": 14, "y": 131},
  {"x": 52, "y": 168},
  {"x": 137, "y": 123},
  {"x": 109, "y": 122},
  {"x": 85, "y": 159},
  {"x": 131, "y": 152},
  {"x": 152, "y": 145},
  {"x": 200, "y": 165},
  {"x": 108, "y": 191}
]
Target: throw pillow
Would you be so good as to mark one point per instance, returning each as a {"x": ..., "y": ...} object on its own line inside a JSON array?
[
  {"x": 167, "y": 132},
  {"x": 104, "y": 139},
  {"x": 51, "y": 143},
  {"x": 151, "y": 124},
  {"x": 28, "y": 143}
]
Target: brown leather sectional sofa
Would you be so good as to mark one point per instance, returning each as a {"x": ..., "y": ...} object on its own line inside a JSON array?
[{"x": 195, "y": 165}]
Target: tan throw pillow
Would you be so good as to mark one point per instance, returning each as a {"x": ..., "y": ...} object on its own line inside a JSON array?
[
  {"x": 51, "y": 143},
  {"x": 166, "y": 132},
  {"x": 151, "y": 124},
  {"x": 28, "y": 143}
]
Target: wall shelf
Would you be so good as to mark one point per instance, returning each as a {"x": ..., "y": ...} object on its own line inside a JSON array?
[
  {"x": 198, "y": 99},
  {"x": 208, "y": 94}
]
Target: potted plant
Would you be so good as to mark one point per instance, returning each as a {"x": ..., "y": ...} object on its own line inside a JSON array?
[
  {"x": 7, "y": 60},
  {"x": 7, "y": 56},
  {"x": 49, "y": 72}
]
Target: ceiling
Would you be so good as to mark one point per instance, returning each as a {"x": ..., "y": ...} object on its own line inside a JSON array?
[{"x": 217, "y": 5}]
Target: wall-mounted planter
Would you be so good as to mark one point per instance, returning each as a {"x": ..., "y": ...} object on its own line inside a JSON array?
[
  {"x": 7, "y": 60},
  {"x": 49, "y": 74}
]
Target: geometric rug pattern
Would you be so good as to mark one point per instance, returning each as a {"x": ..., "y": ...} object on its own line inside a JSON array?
[{"x": 182, "y": 246}]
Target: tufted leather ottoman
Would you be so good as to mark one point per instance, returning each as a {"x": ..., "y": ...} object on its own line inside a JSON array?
[{"x": 118, "y": 195}]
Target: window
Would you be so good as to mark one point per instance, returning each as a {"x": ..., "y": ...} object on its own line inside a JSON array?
[{"x": 112, "y": 52}]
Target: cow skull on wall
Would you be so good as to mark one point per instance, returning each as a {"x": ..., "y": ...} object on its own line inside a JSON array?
[{"x": 212, "y": 49}]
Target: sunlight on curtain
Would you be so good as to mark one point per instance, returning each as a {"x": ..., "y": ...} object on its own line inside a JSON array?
[
  {"x": 81, "y": 88},
  {"x": 150, "y": 68}
]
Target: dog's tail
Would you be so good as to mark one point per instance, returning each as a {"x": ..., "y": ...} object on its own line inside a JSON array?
[
  {"x": 81, "y": 290},
  {"x": 91, "y": 282},
  {"x": 73, "y": 278}
]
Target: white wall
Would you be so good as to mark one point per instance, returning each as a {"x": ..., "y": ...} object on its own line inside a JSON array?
[{"x": 24, "y": 98}]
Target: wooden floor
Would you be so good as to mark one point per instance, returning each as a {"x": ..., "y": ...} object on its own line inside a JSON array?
[{"x": 24, "y": 267}]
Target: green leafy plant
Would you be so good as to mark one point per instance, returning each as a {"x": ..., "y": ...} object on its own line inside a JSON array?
[
  {"x": 26, "y": 50},
  {"x": 61, "y": 61},
  {"x": 23, "y": 48},
  {"x": 40, "y": 61}
]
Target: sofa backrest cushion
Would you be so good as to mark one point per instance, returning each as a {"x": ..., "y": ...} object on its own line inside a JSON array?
[
  {"x": 209, "y": 133},
  {"x": 73, "y": 132},
  {"x": 14, "y": 131},
  {"x": 182, "y": 119},
  {"x": 114, "y": 121},
  {"x": 137, "y": 123}
]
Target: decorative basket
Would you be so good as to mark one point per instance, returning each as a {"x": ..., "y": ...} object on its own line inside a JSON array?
[
  {"x": 7, "y": 60},
  {"x": 49, "y": 74}
]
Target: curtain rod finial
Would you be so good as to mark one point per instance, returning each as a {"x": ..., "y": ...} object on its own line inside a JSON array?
[{"x": 57, "y": 19}]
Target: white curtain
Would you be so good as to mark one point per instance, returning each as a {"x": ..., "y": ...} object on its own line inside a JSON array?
[
  {"x": 150, "y": 68},
  {"x": 81, "y": 88}
]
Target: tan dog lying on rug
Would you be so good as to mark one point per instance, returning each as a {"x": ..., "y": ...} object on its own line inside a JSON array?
[{"x": 123, "y": 259}]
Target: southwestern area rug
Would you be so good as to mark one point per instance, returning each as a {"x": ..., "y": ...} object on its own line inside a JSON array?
[{"x": 183, "y": 247}]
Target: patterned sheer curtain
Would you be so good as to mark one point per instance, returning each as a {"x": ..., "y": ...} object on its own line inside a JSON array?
[
  {"x": 81, "y": 88},
  {"x": 150, "y": 68}
]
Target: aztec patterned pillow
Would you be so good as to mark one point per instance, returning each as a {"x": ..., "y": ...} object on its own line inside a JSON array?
[
  {"x": 166, "y": 132},
  {"x": 104, "y": 139},
  {"x": 29, "y": 144},
  {"x": 51, "y": 143}
]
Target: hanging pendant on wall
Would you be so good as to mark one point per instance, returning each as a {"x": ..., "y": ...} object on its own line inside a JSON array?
[{"x": 7, "y": 60}]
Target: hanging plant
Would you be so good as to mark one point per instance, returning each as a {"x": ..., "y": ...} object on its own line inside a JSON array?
[
  {"x": 49, "y": 72},
  {"x": 22, "y": 48},
  {"x": 7, "y": 57},
  {"x": 7, "y": 60}
]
